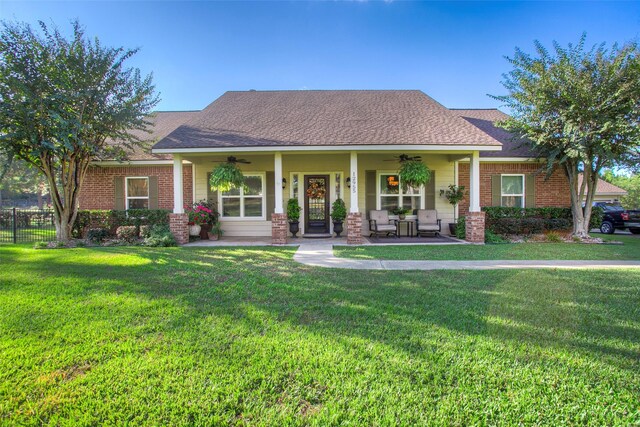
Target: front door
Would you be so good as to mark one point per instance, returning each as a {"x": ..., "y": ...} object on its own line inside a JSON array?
[{"x": 316, "y": 204}]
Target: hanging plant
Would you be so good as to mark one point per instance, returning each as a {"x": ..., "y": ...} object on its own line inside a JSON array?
[
  {"x": 226, "y": 176},
  {"x": 413, "y": 173}
]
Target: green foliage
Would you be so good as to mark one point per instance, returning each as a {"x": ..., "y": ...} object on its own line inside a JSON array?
[
  {"x": 145, "y": 231},
  {"x": 454, "y": 194},
  {"x": 578, "y": 108},
  {"x": 226, "y": 176},
  {"x": 217, "y": 229},
  {"x": 630, "y": 182},
  {"x": 491, "y": 237},
  {"x": 40, "y": 245},
  {"x": 62, "y": 100},
  {"x": 97, "y": 235},
  {"x": 112, "y": 219},
  {"x": 553, "y": 237},
  {"x": 401, "y": 211},
  {"x": 159, "y": 236},
  {"x": 527, "y": 221},
  {"x": 293, "y": 210},
  {"x": 413, "y": 173},
  {"x": 127, "y": 233},
  {"x": 461, "y": 228},
  {"x": 338, "y": 210}
]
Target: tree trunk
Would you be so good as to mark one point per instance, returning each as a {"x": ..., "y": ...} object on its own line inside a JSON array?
[{"x": 580, "y": 228}]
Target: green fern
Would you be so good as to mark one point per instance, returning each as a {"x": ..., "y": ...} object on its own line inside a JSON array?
[{"x": 226, "y": 176}]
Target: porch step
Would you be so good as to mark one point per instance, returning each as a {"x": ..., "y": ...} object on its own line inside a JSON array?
[{"x": 317, "y": 235}]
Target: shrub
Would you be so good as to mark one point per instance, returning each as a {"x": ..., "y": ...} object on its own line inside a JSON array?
[
  {"x": 338, "y": 210},
  {"x": 97, "y": 235},
  {"x": 490, "y": 237},
  {"x": 128, "y": 233},
  {"x": 461, "y": 229},
  {"x": 553, "y": 237},
  {"x": 145, "y": 231},
  {"x": 160, "y": 236},
  {"x": 41, "y": 245}
]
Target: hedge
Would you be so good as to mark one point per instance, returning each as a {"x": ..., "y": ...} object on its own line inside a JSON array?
[{"x": 112, "y": 219}]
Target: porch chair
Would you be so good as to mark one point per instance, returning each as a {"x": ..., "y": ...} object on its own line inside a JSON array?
[
  {"x": 379, "y": 223},
  {"x": 427, "y": 222}
]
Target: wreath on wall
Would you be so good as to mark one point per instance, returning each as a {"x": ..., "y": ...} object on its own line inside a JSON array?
[{"x": 316, "y": 191}]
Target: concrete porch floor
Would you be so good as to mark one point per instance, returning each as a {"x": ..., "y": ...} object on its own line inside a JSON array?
[{"x": 299, "y": 241}]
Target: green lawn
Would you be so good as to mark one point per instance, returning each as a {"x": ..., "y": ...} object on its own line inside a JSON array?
[
  {"x": 246, "y": 336},
  {"x": 30, "y": 234},
  {"x": 630, "y": 250}
]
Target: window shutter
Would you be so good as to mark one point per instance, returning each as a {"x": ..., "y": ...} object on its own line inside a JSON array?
[
  {"x": 153, "y": 192},
  {"x": 370, "y": 202},
  {"x": 430, "y": 192},
  {"x": 530, "y": 191},
  {"x": 271, "y": 195},
  {"x": 496, "y": 190},
  {"x": 118, "y": 184}
]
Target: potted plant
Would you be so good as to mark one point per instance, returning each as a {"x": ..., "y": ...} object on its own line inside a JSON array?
[
  {"x": 401, "y": 212},
  {"x": 216, "y": 231},
  {"x": 226, "y": 176},
  {"x": 203, "y": 214},
  {"x": 454, "y": 194},
  {"x": 338, "y": 214},
  {"x": 413, "y": 173},
  {"x": 293, "y": 215}
]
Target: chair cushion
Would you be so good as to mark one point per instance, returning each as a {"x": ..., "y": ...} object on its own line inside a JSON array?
[
  {"x": 381, "y": 217},
  {"x": 428, "y": 216},
  {"x": 428, "y": 227},
  {"x": 386, "y": 227}
]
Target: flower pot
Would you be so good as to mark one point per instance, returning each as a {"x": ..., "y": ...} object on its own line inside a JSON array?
[
  {"x": 402, "y": 216},
  {"x": 194, "y": 230},
  {"x": 204, "y": 231},
  {"x": 452, "y": 228},
  {"x": 213, "y": 236},
  {"x": 294, "y": 227},
  {"x": 337, "y": 227}
]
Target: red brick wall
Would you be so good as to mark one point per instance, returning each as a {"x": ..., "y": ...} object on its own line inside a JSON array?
[
  {"x": 551, "y": 192},
  {"x": 98, "y": 191}
]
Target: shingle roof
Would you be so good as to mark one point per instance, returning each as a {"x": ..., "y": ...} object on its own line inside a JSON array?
[
  {"x": 484, "y": 119},
  {"x": 324, "y": 118},
  {"x": 605, "y": 187},
  {"x": 163, "y": 123}
]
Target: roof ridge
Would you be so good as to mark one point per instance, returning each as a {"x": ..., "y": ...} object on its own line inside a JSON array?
[
  {"x": 324, "y": 90},
  {"x": 176, "y": 111}
]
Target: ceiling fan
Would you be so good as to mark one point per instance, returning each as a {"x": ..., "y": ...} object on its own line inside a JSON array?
[
  {"x": 404, "y": 158},
  {"x": 232, "y": 159}
]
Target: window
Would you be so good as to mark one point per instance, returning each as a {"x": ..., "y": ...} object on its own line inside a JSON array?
[
  {"x": 391, "y": 194},
  {"x": 245, "y": 202},
  {"x": 512, "y": 191},
  {"x": 137, "y": 193}
]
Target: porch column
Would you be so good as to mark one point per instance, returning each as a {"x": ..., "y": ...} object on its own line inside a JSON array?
[
  {"x": 178, "y": 188},
  {"x": 277, "y": 167},
  {"x": 279, "y": 227},
  {"x": 475, "y": 218},
  {"x": 178, "y": 220},
  {"x": 354, "y": 219}
]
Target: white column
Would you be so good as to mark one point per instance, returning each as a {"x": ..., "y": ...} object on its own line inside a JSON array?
[
  {"x": 456, "y": 183},
  {"x": 277, "y": 167},
  {"x": 178, "y": 196},
  {"x": 474, "y": 182},
  {"x": 354, "y": 208}
]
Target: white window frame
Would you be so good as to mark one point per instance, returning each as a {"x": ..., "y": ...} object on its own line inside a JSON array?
[
  {"x": 502, "y": 194},
  {"x": 126, "y": 192},
  {"x": 263, "y": 217},
  {"x": 400, "y": 194}
]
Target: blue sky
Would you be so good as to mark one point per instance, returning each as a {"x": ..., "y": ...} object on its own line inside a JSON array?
[{"x": 452, "y": 51}]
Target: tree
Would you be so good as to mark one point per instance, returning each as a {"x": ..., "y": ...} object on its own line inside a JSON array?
[
  {"x": 580, "y": 110},
  {"x": 629, "y": 182},
  {"x": 67, "y": 102}
]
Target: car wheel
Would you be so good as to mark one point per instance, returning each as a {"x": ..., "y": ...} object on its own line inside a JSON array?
[
  {"x": 634, "y": 230},
  {"x": 607, "y": 228}
]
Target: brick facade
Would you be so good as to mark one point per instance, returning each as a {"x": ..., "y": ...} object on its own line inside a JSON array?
[
  {"x": 354, "y": 228},
  {"x": 551, "y": 192},
  {"x": 178, "y": 224},
  {"x": 279, "y": 229},
  {"x": 474, "y": 227},
  {"x": 98, "y": 189}
]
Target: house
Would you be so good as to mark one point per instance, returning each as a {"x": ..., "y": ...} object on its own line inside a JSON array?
[
  {"x": 345, "y": 141},
  {"x": 606, "y": 191}
]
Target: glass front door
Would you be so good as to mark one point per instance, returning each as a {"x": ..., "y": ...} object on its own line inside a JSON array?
[{"x": 316, "y": 204}]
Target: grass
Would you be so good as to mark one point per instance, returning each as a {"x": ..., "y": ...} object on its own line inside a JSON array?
[
  {"x": 630, "y": 250},
  {"x": 29, "y": 234},
  {"x": 246, "y": 336}
]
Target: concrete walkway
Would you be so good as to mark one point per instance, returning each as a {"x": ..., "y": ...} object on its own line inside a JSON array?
[{"x": 321, "y": 255}]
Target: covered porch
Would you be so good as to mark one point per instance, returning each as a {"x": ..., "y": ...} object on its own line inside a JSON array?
[{"x": 363, "y": 178}]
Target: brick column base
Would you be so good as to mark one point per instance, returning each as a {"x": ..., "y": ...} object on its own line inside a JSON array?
[
  {"x": 474, "y": 223},
  {"x": 354, "y": 229},
  {"x": 178, "y": 224},
  {"x": 279, "y": 228}
]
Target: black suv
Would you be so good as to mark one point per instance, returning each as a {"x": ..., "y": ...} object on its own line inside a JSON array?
[{"x": 615, "y": 217}]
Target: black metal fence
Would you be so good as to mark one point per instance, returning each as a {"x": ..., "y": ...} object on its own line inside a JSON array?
[{"x": 26, "y": 225}]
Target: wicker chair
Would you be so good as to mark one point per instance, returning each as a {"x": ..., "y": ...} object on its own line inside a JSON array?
[
  {"x": 379, "y": 223},
  {"x": 427, "y": 222}
]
